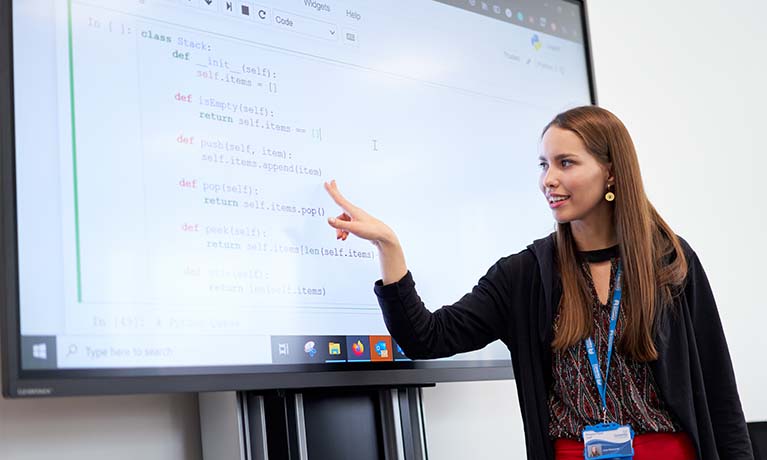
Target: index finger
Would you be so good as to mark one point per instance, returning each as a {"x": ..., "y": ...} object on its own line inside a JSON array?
[{"x": 345, "y": 204}]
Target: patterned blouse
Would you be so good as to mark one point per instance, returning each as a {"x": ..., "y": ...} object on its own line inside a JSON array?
[{"x": 632, "y": 395}]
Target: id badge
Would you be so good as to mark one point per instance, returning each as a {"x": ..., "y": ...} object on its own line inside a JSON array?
[{"x": 608, "y": 440}]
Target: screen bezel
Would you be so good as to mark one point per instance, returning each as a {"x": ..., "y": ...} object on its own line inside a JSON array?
[{"x": 18, "y": 383}]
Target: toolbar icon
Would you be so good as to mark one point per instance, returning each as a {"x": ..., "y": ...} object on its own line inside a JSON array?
[
  {"x": 382, "y": 350},
  {"x": 209, "y": 4},
  {"x": 358, "y": 348},
  {"x": 381, "y": 345},
  {"x": 40, "y": 351},
  {"x": 246, "y": 9},
  {"x": 310, "y": 349}
]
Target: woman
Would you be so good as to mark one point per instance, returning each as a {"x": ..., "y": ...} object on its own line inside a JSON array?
[{"x": 668, "y": 378}]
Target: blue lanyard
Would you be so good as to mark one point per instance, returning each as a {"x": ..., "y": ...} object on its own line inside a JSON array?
[{"x": 602, "y": 385}]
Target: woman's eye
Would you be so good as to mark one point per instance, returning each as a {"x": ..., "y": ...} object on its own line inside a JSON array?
[
  {"x": 542, "y": 165},
  {"x": 566, "y": 161}
]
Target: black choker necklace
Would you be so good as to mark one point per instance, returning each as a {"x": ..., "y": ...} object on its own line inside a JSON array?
[{"x": 600, "y": 255}]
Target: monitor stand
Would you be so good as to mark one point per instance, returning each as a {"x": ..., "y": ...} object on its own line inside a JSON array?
[{"x": 319, "y": 424}]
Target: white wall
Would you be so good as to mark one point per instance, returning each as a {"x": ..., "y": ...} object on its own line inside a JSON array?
[
  {"x": 161, "y": 427},
  {"x": 473, "y": 420},
  {"x": 687, "y": 79}
]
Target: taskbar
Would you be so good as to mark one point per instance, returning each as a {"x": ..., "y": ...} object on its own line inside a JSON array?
[{"x": 307, "y": 349}]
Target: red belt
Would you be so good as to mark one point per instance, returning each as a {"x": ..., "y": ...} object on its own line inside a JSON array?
[{"x": 668, "y": 446}]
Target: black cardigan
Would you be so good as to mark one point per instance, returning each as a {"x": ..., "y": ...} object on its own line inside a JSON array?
[{"x": 516, "y": 301}]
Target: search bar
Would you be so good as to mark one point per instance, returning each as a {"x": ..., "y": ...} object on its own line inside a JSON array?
[
  {"x": 306, "y": 26},
  {"x": 162, "y": 351}
]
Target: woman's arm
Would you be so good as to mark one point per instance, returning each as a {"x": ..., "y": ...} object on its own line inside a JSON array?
[{"x": 477, "y": 319}]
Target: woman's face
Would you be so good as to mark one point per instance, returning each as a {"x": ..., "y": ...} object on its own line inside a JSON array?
[{"x": 572, "y": 180}]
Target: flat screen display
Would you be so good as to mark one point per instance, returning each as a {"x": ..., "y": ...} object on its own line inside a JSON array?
[{"x": 166, "y": 227}]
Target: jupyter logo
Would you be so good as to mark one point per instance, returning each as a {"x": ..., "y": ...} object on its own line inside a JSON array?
[{"x": 536, "y": 42}]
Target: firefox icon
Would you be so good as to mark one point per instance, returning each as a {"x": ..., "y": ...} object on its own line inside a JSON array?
[{"x": 358, "y": 348}]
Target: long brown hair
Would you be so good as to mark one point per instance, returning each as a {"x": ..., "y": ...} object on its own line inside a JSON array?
[{"x": 650, "y": 276}]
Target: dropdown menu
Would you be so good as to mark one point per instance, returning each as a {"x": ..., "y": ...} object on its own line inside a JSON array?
[{"x": 304, "y": 25}]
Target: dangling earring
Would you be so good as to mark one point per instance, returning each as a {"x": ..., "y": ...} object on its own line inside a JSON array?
[{"x": 609, "y": 196}]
